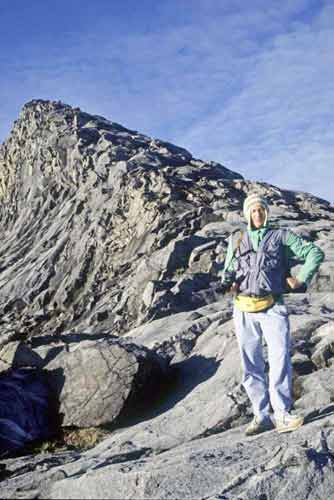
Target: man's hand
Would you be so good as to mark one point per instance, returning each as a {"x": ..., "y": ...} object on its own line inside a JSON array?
[
  {"x": 228, "y": 288},
  {"x": 234, "y": 288},
  {"x": 293, "y": 283}
]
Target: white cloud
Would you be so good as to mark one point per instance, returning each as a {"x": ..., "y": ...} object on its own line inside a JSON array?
[{"x": 279, "y": 127}]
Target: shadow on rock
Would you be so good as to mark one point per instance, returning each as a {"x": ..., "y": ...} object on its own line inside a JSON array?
[
  {"x": 320, "y": 458},
  {"x": 188, "y": 374},
  {"x": 28, "y": 411},
  {"x": 181, "y": 380},
  {"x": 319, "y": 414}
]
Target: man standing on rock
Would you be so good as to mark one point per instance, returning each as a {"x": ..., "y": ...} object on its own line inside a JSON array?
[{"x": 256, "y": 270}]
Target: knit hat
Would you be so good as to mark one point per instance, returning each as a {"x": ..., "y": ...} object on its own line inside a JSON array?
[{"x": 249, "y": 202}]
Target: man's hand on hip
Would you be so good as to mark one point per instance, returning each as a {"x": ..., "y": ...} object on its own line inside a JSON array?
[
  {"x": 293, "y": 283},
  {"x": 234, "y": 288}
]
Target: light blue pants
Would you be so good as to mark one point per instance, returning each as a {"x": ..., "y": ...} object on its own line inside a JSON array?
[{"x": 273, "y": 325}]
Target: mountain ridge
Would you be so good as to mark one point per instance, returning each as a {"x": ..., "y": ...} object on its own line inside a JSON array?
[{"x": 108, "y": 233}]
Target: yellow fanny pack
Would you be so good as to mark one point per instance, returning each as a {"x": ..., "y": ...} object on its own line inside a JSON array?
[{"x": 253, "y": 304}]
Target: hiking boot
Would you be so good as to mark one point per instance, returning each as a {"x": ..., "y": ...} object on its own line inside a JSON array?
[
  {"x": 257, "y": 426},
  {"x": 288, "y": 422}
]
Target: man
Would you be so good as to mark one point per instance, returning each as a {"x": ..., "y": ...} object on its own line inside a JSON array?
[{"x": 256, "y": 268}]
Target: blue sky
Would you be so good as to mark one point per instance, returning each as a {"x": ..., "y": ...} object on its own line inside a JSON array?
[{"x": 248, "y": 84}]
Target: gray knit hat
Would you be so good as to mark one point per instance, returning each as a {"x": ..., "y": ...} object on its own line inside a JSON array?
[{"x": 249, "y": 202}]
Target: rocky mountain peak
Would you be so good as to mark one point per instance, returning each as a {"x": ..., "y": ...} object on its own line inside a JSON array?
[
  {"x": 112, "y": 245},
  {"x": 100, "y": 221}
]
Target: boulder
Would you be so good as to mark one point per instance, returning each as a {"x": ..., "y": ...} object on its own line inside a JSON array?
[
  {"x": 323, "y": 337},
  {"x": 95, "y": 381}
]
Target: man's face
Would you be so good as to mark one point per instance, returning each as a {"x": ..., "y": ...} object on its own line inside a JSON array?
[{"x": 258, "y": 215}]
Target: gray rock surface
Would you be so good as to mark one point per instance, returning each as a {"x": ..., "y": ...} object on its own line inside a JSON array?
[
  {"x": 224, "y": 467},
  {"x": 95, "y": 380},
  {"x": 107, "y": 231}
]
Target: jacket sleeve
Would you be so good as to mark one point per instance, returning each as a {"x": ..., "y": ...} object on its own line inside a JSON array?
[
  {"x": 229, "y": 261},
  {"x": 309, "y": 253}
]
